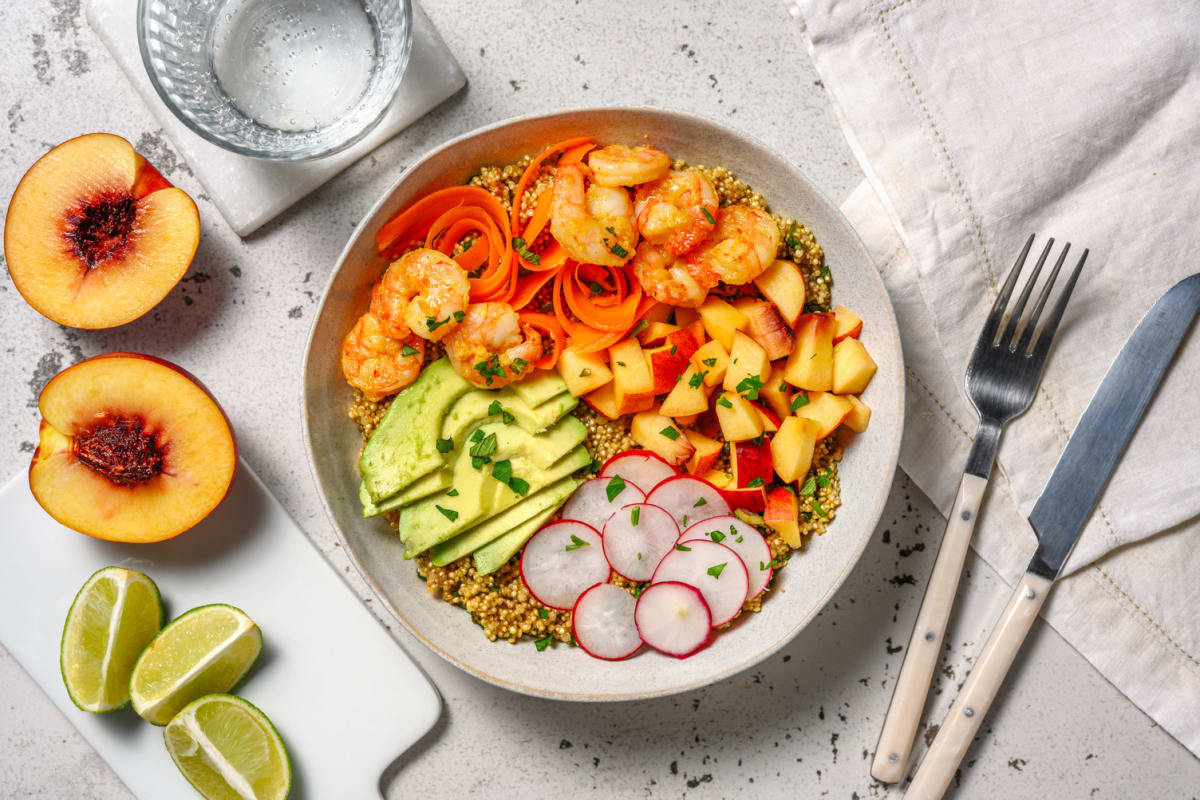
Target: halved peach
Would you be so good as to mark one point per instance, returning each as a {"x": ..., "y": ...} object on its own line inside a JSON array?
[
  {"x": 95, "y": 236},
  {"x": 132, "y": 449}
]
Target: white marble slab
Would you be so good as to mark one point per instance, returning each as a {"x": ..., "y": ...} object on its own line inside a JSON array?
[{"x": 250, "y": 192}]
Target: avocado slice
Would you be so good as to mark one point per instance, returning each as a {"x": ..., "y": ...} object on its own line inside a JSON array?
[
  {"x": 540, "y": 417},
  {"x": 547, "y": 500},
  {"x": 539, "y": 387},
  {"x": 435, "y": 519},
  {"x": 423, "y": 486},
  {"x": 404, "y": 446},
  {"x": 522, "y": 532}
]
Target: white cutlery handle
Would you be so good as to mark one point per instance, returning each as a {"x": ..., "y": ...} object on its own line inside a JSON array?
[
  {"x": 973, "y": 702},
  {"x": 912, "y": 686}
]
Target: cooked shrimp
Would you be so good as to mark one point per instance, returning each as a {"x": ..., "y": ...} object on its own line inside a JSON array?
[
  {"x": 378, "y": 364},
  {"x": 678, "y": 211},
  {"x": 743, "y": 243},
  {"x": 594, "y": 224},
  {"x": 423, "y": 292},
  {"x": 669, "y": 278},
  {"x": 491, "y": 347},
  {"x": 618, "y": 165}
]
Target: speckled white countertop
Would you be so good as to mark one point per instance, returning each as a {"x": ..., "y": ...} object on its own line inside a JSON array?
[{"x": 804, "y": 723}]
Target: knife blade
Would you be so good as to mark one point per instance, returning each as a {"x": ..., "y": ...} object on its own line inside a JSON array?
[{"x": 1108, "y": 423}]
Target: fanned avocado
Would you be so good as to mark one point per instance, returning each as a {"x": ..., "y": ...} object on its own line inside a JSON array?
[
  {"x": 493, "y": 555},
  {"x": 480, "y": 495},
  {"x": 423, "y": 486},
  {"x": 404, "y": 445},
  {"x": 539, "y": 387},
  {"x": 547, "y": 500}
]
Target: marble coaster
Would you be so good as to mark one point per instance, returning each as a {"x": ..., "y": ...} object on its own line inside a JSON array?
[{"x": 250, "y": 192}]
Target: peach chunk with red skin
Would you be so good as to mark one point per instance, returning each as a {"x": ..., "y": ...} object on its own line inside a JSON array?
[
  {"x": 131, "y": 449},
  {"x": 95, "y": 236}
]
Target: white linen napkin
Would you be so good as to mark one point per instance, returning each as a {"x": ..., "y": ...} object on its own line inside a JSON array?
[{"x": 977, "y": 124}]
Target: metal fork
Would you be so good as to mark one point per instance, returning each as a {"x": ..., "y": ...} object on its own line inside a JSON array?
[{"x": 1002, "y": 378}]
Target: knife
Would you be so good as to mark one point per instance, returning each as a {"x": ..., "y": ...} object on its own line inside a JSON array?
[{"x": 1059, "y": 516}]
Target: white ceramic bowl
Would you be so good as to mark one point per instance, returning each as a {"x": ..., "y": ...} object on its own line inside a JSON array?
[{"x": 802, "y": 588}]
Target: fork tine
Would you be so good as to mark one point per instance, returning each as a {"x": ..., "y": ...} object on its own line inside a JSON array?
[
  {"x": 1043, "y": 343},
  {"x": 992, "y": 324},
  {"x": 1031, "y": 324},
  {"x": 1014, "y": 317}
]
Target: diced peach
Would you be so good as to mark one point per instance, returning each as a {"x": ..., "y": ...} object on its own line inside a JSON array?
[
  {"x": 685, "y": 316},
  {"x": 747, "y": 498},
  {"x": 827, "y": 409},
  {"x": 810, "y": 366},
  {"x": 859, "y": 416},
  {"x": 604, "y": 400},
  {"x": 659, "y": 312},
  {"x": 782, "y": 514},
  {"x": 746, "y": 360},
  {"x": 853, "y": 367},
  {"x": 583, "y": 372},
  {"x": 661, "y": 435},
  {"x": 717, "y": 478},
  {"x": 687, "y": 420},
  {"x": 707, "y": 423},
  {"x": 776, "y": 393},
  {"x": 655, "y": 332},
  {"x": 769, "y": 420},
  {"x": 792, "y": 447},
  {"x": 845, "y": 323},
  {"x": 669, "y": 360},
  {"x": 738, "y": 417},
  {"x": 783, "y": 285},
  {"x": 706, "y": 453},
  {"x": 721, "y": 320},
  {"x": 712, "y": 360},
  {"x": 689, "y": 396},
  {"x": 751, "y": 463},
  {"x": 769, "y": 329},
  {"x": 633, "y": 384}
]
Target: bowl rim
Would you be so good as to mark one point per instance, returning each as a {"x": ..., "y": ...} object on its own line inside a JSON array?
[
  {"x": 292, "y": 156},
  {"x": 759, "y": 655}
]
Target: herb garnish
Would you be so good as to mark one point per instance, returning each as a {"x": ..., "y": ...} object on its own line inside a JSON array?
[
  {"x": 754, "y": 482},
  {"x": 634, "y": 516},
  {"x": 703, "y": 501},
  {"x": 502, "y": 470},
  {"x": 452, "y": 493},
  {"x": 716, "y": 569},
  {"x": 596, "y": 288},
  {"x": 777, "y": 562},
  {"x": 615, "y": 487},
  {"x": 641, "y": 326},
  {"x": 750, "y": 386},
  {"x": 716, "y": 536},
  {"x": 683, "y": 547},
  {"x": 519, "y": 246},
  {"x": 710, "y": 362},
  {"x": 519, "y": 485},
  {"x": 697, "y": 379},
  {"x": 494, "y": 408},
  {"x": 577, "y": 543},
  {"x": 448, "y": 513},
  {"x": 670, "y": 433},
  {"x": 809, "y": 486},
  {"x": 445, "y": 445},
  {"x": 800, "y": 400},
  {"x": 724, "y": 402},
  {"x": 708, "y": 216},
  {"x": 408, "y": 350},
  {"x": 518, "y": 365},
  {"x": 433, "y": 323},
  {"x": 586, "y": 371},
  {"x": 543, "y": 613},
  {"x": 817, "y": 508},
  {"x": 459, "y": 316},
  {"x": 542, "y": 644}
]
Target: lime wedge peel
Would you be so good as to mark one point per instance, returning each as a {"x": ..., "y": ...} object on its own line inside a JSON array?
[
  {"x": 204, "y": 651},
  {"x": 227, "y": 748},
  {"x": 114, "y": 614}
]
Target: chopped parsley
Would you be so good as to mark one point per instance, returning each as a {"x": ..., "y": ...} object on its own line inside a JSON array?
[
  {"x": 519, "y": 485},
  {"x": 408, "y": 350},
  {"x": 477, "y": 435},
  {"x": 641, "y": 587},
  {"x": 683, "y": 547},
  {"x": 800, "y": 400},
  {"x": 445, "y": 445},
  {"x": 710, "y": 362},
  {"x": 749, "y": 386},
  {"x": 670, "y": 433},
  {"x": 448, "y": 513},
  {"x": 755, "y": 482},
  {"x": 724, "y": 401},
  {"x": 778, "y": 562},
  {"x": 820, "y": 511},
  {"x": 716, "y": 536},
  {"x": 490, "y": 369},
  {"x": 458, "y": 316},
  {"x": 809, "y": 486},
  {"x": 502, "y": 470},
  {"x": 596, "y": 288},
  {"x": 583, "y": 373},
  {"x": 708, "y": 216},
  {"x": 433, "y": 323},
  {"x": 716, "y": 569},
  {"x": 485, "y": 446},
  {"x": 634, "y": 516},
  {"x": 697, "y": 379},
  {"x": 703, "y": 501},
  {"x": 790, "y": 240},
  {"x": 615, "y": 247},
  {"x": 494, "y": 408},
  {"x": 822, "y": 479},
  {"x": 542, "y": 644},
  {"x": 577, "y": 543},
  {"x": 620, "y": 363},
  {"x": 519, "y": 364},
  {"x": 543, "y": 613},
  {"x": 452, "y": 493},
  {"x": 615, "y": 487},
  {"x": 674, "y": 347},
  {"x": 519, "y": 246},
  {"x": 641, "y": 326}
]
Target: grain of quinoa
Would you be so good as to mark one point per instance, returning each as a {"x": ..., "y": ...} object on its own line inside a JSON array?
[{"x": 499, "y": 603}]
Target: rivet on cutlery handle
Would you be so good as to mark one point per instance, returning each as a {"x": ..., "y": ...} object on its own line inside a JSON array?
[
  {"x": 973, "y": 702},
  {"x": 920, "y": 660}
]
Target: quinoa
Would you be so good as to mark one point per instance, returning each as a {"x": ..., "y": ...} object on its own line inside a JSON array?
[{"x": 499, "y": 603}]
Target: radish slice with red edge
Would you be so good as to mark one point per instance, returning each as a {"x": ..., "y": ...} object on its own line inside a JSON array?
[
  {"x": 640, "y": 467},
  {"x": 636, "y": 539},
  {"x": 673, "y": 618},
  {"x": 598, "y": 499},
  {"x": 688, "y": 500},
  {"x": 743, "y": 539},
  {"x": 562, "y": 560},
  {"x": 602, "y": 623},
  {"x": 712, "y": 568}
]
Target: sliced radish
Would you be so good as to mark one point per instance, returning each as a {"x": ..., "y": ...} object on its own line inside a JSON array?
[
  {"x": 743, "y": 539},
  {"x": 561, "y": 560},
  {"x": 591, "y": 503},
  {"x": 688, "y": 499},
  {"x": 673, "y": 618},
  {"x": 712, "y": 568},
  {"x": 602, "y": 622},
  {"x": 640, "y": 467},
  {"x": 636, "y": 539}
]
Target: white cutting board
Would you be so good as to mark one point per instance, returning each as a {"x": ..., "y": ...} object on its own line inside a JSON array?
[
  {"x": 344, "y": 696},
  {"x": 249, "y": 192}
]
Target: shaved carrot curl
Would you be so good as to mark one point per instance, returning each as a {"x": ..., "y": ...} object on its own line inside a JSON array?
[{"x": 550, "y": 325}]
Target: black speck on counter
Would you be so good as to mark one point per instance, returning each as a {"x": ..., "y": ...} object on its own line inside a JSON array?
[
  {"x": 565, "y": 745},
  {"x": 893, "y": 649},
  {"x": 901, "y": 580},
  {"x": 295, "y": 312},
  {"x": 674, "y": 767},
  {"x": 887, "y": 537},
  {"x": 694, "y": 782}
]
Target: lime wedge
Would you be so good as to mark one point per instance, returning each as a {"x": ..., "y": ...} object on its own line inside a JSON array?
[
  {"x": 229, "y": 750},
  {"x": 206, "y": 650},
  {"x": 113, "y": 616}
]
